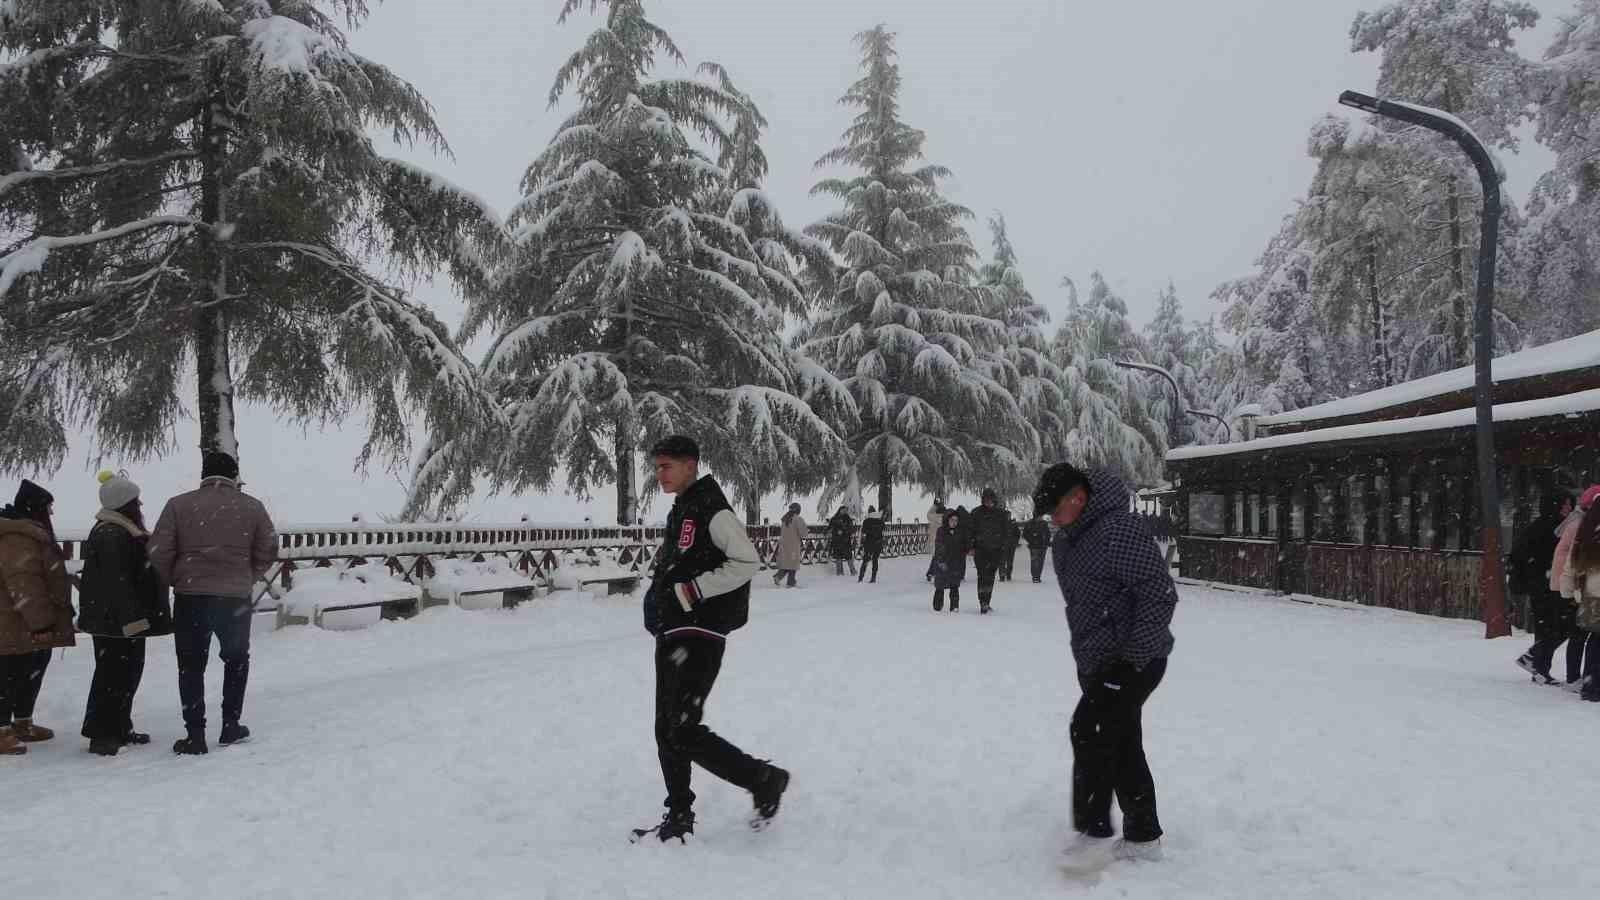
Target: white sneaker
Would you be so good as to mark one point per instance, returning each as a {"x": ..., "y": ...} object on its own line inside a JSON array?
[
  {"x": 1085, "y": 856},
  {"x": 1576, "y": 687},
  {"x": 1138, "y": 851}
]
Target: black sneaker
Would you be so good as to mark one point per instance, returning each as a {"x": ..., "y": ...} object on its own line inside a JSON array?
[
  {"x": 677, "y": 823},
  {"x": 104, "y": 747},
  {"x": 767, "y": 795},
  {"x": 233, "y": 733},
  {"x": 193, "y": 745},
  {"x": 136, "y": 738},
  {"x": 1525, "y": 663}
]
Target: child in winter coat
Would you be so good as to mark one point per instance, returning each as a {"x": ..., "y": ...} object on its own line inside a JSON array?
[{"x": 949, "y": 562}]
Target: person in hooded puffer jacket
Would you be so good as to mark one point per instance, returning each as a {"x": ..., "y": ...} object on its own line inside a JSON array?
[
  {"x": 1119, "y": 600},
  {"x": 871, "y": 543},
  {"x": 1580, "y": 582},
  {"x": 35, "y": 612},
  {"x": 950, "y": 562},
  {"x": 122, "y": 602},
  {"x": 990, "y": 536},
  {"x": 842, "y": 540}
]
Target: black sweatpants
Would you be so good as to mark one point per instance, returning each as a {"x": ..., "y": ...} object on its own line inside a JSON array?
[
  {"x": 938, "y": 599},
  {"x": 21, "y": 676},
  {"x": 1108, "y": 753},
  {"x": 686, "y": 670},
  {"x": 1036, "y": 560},
  {"x": 118, "y": 669},
  {"x": 869, "y": 556},
  {"x": 1555, "y": 621},
  {"x": 988, "y": 564},
  {"x": 1008, "y": 562},
  {"x": 195, "y": 619}
]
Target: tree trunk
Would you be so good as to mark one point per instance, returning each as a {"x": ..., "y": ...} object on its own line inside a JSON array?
[
  {"x": 752, "y": 508},
  {"x": 213, "y": 367},
  {"x": 885, "y": 487},
  {"x": 1382, "y": 369},
  {"x": 1458, "y": 280},
  {"x": 627, "y": 495}
]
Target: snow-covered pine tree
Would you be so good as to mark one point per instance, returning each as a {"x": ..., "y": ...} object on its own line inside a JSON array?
[
  {"x": 1458, "y": 56},
  {"x": 1039, "y": 394},
  {"x": 193, "y": 184},
  {"x": 1111, "y": 424},
  {"x": 628, "y": 309},
  {"x": 904, "y": 327},
  {"x": 1561, "y": 250},
  {"x": 1172, "y": 347}
]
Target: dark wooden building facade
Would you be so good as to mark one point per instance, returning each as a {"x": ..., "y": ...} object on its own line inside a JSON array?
[{"x": 1374, "y": 499}]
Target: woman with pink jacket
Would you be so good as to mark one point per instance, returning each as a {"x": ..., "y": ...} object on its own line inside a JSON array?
[{"x": 1575, "y": 573}]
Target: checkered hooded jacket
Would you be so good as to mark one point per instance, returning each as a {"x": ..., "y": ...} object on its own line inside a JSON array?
[{"x": 1118, "y": 593}]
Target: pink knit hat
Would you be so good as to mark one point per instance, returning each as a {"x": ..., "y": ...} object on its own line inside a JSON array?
[{"x": 1589, "y": 497}]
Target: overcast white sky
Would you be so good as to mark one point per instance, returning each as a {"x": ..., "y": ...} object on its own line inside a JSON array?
[{"x": 1155, "y": 141}]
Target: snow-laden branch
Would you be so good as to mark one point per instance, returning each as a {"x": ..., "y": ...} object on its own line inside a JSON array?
[{"x": 32, "y": 256}]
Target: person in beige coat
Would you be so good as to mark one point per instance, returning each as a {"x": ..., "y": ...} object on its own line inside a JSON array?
[
  {"x": 935, "y": 521},
  {"x": 791, "y": 545},
  {"x": 212, "y": 545},
  {"x": 35, "y": 612}
]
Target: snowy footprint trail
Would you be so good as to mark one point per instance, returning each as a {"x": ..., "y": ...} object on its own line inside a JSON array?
[{"x": 1300, "y": 752}]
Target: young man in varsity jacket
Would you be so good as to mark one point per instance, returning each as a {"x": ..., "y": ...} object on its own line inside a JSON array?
[{"x": 700, "y": 592}]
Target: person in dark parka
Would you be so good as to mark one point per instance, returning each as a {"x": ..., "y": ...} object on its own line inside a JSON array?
[
  {"x": 1119, "y": 601},
  {"x": 1554, "y": 616},
  {"x": 121, "y": 602},
  {"x": 990, "y": 534},
  {"x": 1008, "y": 561},
  {"x": 1037, "y": 536},
  {"x": 871, "y": 543},
  {"x": 841, "y": 541},
  {"x": 950, "y": 562}
]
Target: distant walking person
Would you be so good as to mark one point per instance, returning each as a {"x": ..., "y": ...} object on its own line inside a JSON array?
[
  {"x": 1037, "y": 536},
  {"x": 35, "y": 613},
  {"x": 1119, "y": 602},
  {"x": 950, "y": 563},
  {"x": 842, "y": 540},
  {"x": 1008, "y": 560},
  {"x": 871, "y": 543},
  {"x": 991, "y": 532},
  {"x": 1554, "y": 616},
  {"x": 1580, "y": 582},
  {"x": 935, "y": 522},
  {"x": 211, "y": 545},
  {"x": 699, "y": 594},
  {"x": 123, "y": 601},
  {"x": 791, "y": 545}
]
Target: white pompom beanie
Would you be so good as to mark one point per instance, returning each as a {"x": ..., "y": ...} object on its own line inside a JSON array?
[{"x": 116, "y": 490}]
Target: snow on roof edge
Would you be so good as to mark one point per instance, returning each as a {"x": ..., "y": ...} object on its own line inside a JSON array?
[
  {"x": 1580, "y": 352},
  {"x": 1570, "y": 404}
]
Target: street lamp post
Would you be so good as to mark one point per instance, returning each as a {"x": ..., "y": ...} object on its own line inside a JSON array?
[
  {"x": 1214, "y": 417},
  {"x": 1491, "y": 574},
  {"x": 1177, "y": 395}
]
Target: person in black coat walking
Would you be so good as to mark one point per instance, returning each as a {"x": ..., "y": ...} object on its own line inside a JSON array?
[
  {"x": 121, "y": 602},
  {"x": 949, "y": 562},
  {"x": 841, "y": 541},
  {"x": 1119, "y": 601},
  {"x": 1555, "y": 617},
  {"x": 699, "y": 594},
  {"x": 871, "y": 543},
  {"x": 1008, "y": 561},
  {"x": 991, "y": 533},
  {"x": 1037, "y": 536}
]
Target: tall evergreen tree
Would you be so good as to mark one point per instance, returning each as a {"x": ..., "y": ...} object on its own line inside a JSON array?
[
  {"x": 1026, "y": 351},
  {"x": 629, "y": 308},
  {"x": 1172, "y": 347},
  {"x": 1279, "y": 362},
  {"x": 1111, "y": 423},
  {"x": 1561, "y": 249},
  {"x": 903, "y": 327},
  {"x": 193, "y": 185},
  {"x": 1458, "y": 56}
]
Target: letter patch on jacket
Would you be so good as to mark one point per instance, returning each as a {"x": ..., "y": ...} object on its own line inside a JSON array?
[{"x": 686, "y": 535}]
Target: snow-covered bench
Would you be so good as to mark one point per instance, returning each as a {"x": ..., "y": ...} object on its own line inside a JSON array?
[
  {"x": 339, "y": 599},
  {"x": 477, "y": 584}
]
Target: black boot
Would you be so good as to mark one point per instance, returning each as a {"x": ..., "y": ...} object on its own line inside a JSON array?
[
  {"x": 938, "y": 602},
  {"x": 677, "y": 823},
  {"x": 767, "y": 795},
  {"x": 104, "y": 747},
  {"x": 136, "y": 738},
  {"x": 233, "y": 733},
  {"x": 193, "y": 745}
]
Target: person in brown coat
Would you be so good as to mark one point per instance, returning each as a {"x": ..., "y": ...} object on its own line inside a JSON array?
[
  {"x": 212, "y": 545},
  {"x": 35, "y": 612}
]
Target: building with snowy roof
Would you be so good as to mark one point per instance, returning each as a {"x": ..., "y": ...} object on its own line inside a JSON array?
[{"x": 1374, "y": 498}]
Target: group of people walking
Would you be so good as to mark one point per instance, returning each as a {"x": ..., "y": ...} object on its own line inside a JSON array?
[
  {"x": 991, "y": 537},
  {"x": 1119, "y": 599},
  {"x": 1555, "y": 563},
  {"x": 841, "y": 544},
  {"x": 192, "y": 578}
]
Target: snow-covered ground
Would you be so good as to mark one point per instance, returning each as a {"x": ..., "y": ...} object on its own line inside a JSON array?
[{"x": 1300, "y": 752}]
